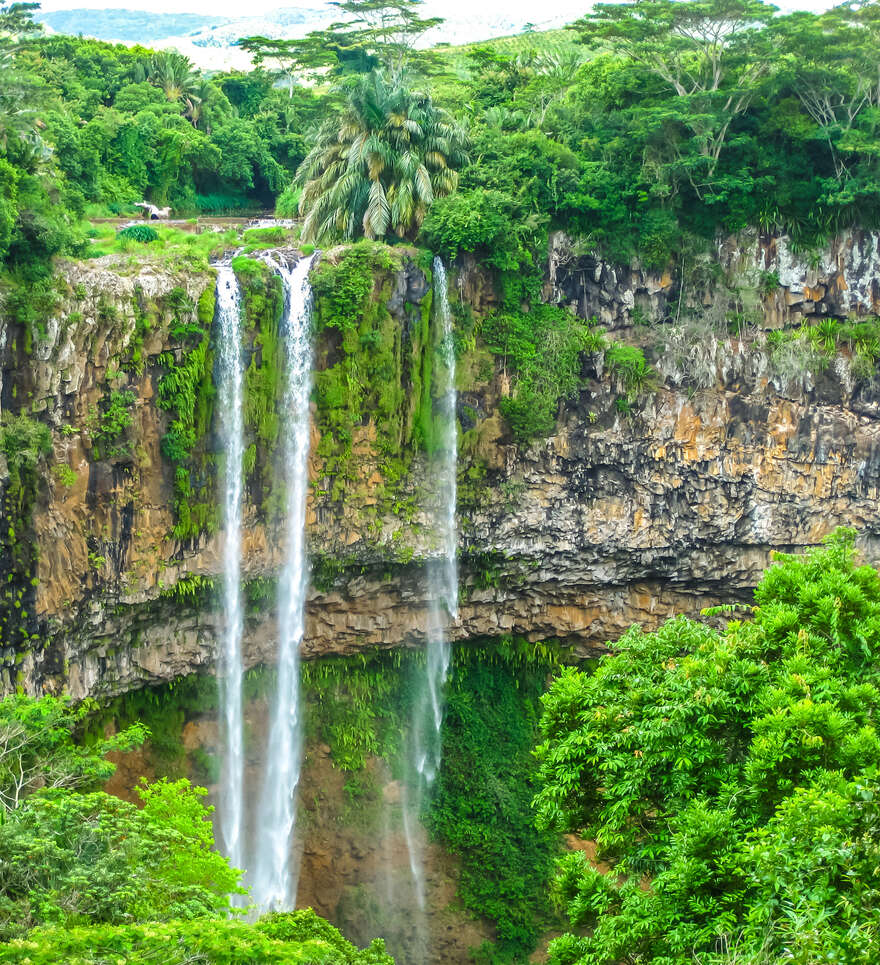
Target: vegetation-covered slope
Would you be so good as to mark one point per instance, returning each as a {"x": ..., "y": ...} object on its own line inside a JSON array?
[{"x": 728, "y": 778}]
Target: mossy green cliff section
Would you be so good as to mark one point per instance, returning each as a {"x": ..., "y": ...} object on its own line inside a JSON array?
[{"x": 605, "y": 476}]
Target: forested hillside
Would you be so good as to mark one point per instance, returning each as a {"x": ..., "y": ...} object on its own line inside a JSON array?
[
  {"x": 438, "y": 489},
  {"x": 651, "y": 129}
]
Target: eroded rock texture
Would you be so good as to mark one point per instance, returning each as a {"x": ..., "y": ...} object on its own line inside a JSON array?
[
  {"x": 779, "y": 286},
  {"x": 617, "y": 518}
]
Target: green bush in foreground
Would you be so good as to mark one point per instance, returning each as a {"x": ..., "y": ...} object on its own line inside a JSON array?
[
  {"x": 298, "y": 938},
  {"x": 71, "y": 858},
  {"x": 139, "y": 232},
  {"x": 89, "y": 879},
  {"x": 730, "y": 780}
]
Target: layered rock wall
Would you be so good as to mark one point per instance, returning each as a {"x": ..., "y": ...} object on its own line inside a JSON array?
[
  {"x": 778, "y": 285},
  {"x": 616, "y": 518}
]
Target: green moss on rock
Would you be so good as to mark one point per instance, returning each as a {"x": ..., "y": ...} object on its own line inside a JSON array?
[
  {"x": 186, "y": 390},
  {"x": 372, "y": 371}
]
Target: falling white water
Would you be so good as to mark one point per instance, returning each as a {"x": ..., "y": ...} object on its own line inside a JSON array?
[
  {"x": 274, "y": 885},
  {"x": 442, "y": 572},
  {"x": 229, "y": 405}
]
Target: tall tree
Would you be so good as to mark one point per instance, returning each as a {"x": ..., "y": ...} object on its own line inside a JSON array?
[
  {"x": 37, "y": 750},
  {"x": 832, "y": 65},
  {"x": 174, "y": 74},
  {"x": 711, "y": 53},
  {"x": 19, "y": 91},
  {"x": 377, "y": 168},
  {"x": 389, "y": 30},
  {"x": 298, "y": 58}
]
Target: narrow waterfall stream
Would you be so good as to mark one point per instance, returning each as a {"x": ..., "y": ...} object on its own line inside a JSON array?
[
  {"x": 274, "y": 884},
  {"x": 229, "y": 407},
  {"x": 442, "y": 572},
  {"x": 442, "y": 576}
]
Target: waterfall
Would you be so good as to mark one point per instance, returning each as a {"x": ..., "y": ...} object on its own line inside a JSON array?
[
  {"x": 229, "y": 405},
  {"x": 274, "y": 885},
  {"x": 442, "y": 574}
]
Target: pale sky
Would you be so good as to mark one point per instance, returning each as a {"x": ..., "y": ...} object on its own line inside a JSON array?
[{"x": 457, "y": 8}]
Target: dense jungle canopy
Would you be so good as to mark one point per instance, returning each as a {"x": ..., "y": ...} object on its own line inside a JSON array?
[{"x": 716, "y": 780}]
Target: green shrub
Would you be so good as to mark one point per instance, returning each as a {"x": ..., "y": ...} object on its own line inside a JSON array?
[
  {"x": 482, "y": 221},
  {"x": 734, "y": 772},
  {"x": 294, "y": 938},
  {"x": 343, "y": 290},
  {"x": 287, "y": 204},
  {"x": 142, "y": 233},
  {"x": 543, "y": 350},
  {"x": 114, "y": 419},
  {"x": 628, "y": 363},
  {"x": 24, "y": 441}
]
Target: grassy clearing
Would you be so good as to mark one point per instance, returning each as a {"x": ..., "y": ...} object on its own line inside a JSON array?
[
  {"x": 539, "y": 41},
  {"x": 174, "y": 243}
]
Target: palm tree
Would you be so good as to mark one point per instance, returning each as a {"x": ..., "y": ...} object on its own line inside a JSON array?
[
  {"x": 174, "y": 74},
  {"x": 377, "y": 167},
  {"x": 198, "y": 103}
]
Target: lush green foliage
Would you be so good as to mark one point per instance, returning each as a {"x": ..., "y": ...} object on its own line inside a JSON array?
[
  {"x": 186, "y": 390},
  {"x": 297, "y": 938},
  {"x": 139, "y": 232},
  {"x": 92, "y": 858},
  {"x": 481, "y": 807},
  {"x": 729, "y": 778},
  {"x": 26, "y": 443},
  {"x": 264, "y": 378},
  {"x": 88, "y": 124},
  {"x": 543, "y": 348},
  {"x": 375, "y": 170},
  {"x": 110, "y": 425},
  {"x": 379, "y": 371},
  {"x": 664, "y": 123},
  {"x": 37, "y": 748},
  {"x": 88, "y": 878}
]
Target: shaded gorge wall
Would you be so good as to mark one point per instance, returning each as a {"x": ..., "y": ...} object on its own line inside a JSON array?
[{"x": 486, "y": 867}]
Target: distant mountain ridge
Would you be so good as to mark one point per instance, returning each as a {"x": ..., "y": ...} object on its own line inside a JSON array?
[
  {"x": 210, "y": 41},
  {"x": 130, "y": 26}
]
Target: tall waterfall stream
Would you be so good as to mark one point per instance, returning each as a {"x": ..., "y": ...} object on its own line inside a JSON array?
[
  {"x": 271, "y": 873},
  {"x": 274, "y": 883},
  {"x": 231, "y": 419},
  {"x": 425, "y": 747}
]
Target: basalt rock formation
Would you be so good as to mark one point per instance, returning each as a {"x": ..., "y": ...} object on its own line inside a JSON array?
[
  {"x": 616, "y": 518},
  {"x": 784, "y": 287}
]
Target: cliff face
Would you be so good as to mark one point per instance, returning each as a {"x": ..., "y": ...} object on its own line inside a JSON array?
[
  {"x": 763, "y": 272},
  {"x": 619, "y": 517}
]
